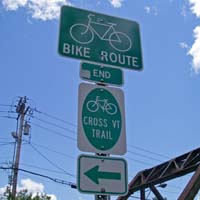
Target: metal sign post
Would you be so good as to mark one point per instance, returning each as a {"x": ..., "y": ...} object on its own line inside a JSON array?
[
  {"x": 102, "y": 42},
  {"x": 102, "y": 197}
]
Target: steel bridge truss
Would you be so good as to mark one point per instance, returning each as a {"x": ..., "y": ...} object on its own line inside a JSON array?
[{"x": 174, "y": 168}]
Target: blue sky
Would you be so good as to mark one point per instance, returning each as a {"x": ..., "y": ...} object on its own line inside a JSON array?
[{"x": 161, "y": 101}]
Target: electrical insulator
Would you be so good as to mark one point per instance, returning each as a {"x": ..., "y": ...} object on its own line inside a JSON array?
[
  {"x": 14, "y": 134},
  {"x": 27, "y": 128}
]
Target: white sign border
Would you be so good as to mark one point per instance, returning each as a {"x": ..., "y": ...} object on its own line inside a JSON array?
[
  {"x": 104, "y": 159},
  {"x": 83, "y": 143}
]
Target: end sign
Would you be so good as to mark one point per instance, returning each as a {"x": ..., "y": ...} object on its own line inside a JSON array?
[
  {"x": 99, "y": 38},
  {"x": 101, "y": 74}
]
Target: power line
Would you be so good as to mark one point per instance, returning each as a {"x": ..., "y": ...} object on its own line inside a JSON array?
[
  {"x": 52, "y": 131},
  {"x": 53, "y": 124},
  {"x": 52, "y": 163},
  {"x": 6, "y": 143},
  {"x": 41, "y": 168},
  {"x": 56, "y": 118},
  {"x": 138, "y": 148},
  {"x": 74, "y": 125},
  {"x": 7, "y": 111},
  {"x": 138, "y": 161},
  {"x": 51, "y": 150},
  {"x": 4, "y": 116},
  {"x": 5, "y": 105},
  {"x": 44, "y": 176},
  {"x": 67, "y": 155},
  {"x": 60, "y": 153},
  {"x": 4, "y": 157},
  {"x": 148, "y": 151},
  {"x": 69, "y": 123},
  {"x": 4, "y": 138},
  {"x": 144, "y": 156},
  {"x": 63, "y": 135}
]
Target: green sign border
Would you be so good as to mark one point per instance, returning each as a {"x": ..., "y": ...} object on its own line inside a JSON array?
[
  {"x": 115, "y": 131},
  {"x": 102, "y": 158}
]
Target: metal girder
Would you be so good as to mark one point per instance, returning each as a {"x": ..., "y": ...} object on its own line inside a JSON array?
[
  {"x": 171, "y": 169},
  {"x": 142, "y": 194},
  {"x": 156, "y": 192},
  {"x": 192, "y": 187}
]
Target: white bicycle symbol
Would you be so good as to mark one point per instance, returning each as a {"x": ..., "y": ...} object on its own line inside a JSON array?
[
  {"x": 84, "y": 34},
  {"x": 95, "y": 105}
]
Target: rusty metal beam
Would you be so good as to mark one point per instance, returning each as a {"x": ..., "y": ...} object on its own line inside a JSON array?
[
  {"x": 171, "y": 169},
  {"x": 156, "y": 192},
  {"x": 192, "y": 187},
  {"x": 142, "y": 194}
]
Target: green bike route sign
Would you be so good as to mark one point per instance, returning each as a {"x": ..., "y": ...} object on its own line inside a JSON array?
[
  {"x": 99, "y": 38},
  {"x": 101, "y": 74},
  {"x": 102, "y": 175},
  {"x": 101, "y": 120}
]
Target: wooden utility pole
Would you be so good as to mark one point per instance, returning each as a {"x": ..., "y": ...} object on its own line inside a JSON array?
[{"x": 21, "y": 110}]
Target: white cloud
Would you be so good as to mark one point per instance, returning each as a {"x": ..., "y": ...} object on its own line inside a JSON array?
[
  {"x": 13, "y": 4},
  {"x": 39, "y": 9},
  {"x": 147, "y": 9},
  {"x": 195, "y": 50},
  {"x": 3, "y": 189},
  {"x": 53, "y": 197},
  {"x": 195, "y": 7},
  {"x": 151, "y": 10},
  {"x": 184, "y": 10},
  {"x": 116, "y": 3},
  {"x": 32, "y": 187},
  {"x": 184, "y": 45},
  {"x": 81, "y": 198},
  {"x": 45, "y": 9}
]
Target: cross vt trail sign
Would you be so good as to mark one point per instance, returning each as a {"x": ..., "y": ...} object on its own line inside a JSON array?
[
  {"x": 101, "y": 120},
  {"x": 102, "y": 175},
  {"x": 99, "y": 38}
]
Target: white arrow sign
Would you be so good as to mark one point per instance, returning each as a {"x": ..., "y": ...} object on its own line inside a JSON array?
[{"x": 102, "y": 175}]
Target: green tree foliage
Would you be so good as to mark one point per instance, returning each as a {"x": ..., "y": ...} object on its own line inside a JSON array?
[{"x": 23, "y": 195}]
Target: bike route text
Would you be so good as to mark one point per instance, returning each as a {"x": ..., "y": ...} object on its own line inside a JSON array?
[{"x": 105, "y": 57}]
